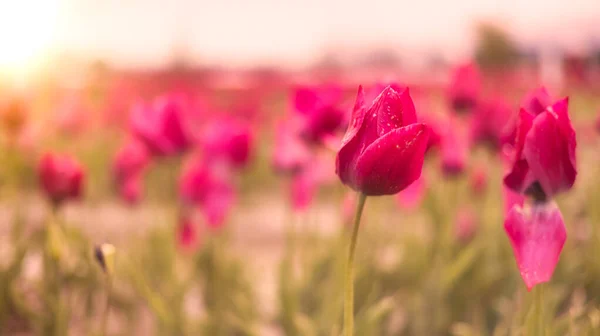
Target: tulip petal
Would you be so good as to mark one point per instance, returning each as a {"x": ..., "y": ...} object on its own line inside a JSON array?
[
  {"x": 549, "y": 155},
  {"x": 519, "y": 177},
  {"x": 394, "y": 110},
  {"x": 392, "y": 162},
  {"x": 537, "y": 235}
]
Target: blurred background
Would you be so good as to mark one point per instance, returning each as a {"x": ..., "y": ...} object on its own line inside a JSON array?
[{"x": 204, "y": 136}]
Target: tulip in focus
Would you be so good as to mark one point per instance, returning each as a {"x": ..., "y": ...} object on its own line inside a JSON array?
[
  {"x": 383, "y": 149},
  {"x": 465, "y": 87},
  {"x": 61, "y": 178},
  {"x": 537, "y": 235},
  {"x": 544, "y": 162}
]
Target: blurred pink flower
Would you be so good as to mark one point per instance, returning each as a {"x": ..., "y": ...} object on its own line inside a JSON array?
[
  {"x": 129, "y": 164},
  {"x": 61, "y": 177},
  {"x": 72, "y": 116},
  {"x": 411, "y": 197},
  {"x": 130, "y": 189},
  {"x": 455, "y": 148},
  {"x": 306, "y": 183},
  {"x": 465, "y": 225},
  {"x": 162, "y": 126},
  {"x": 435, "y": 131},
  {"x": 227, "y": 140},
  {"x": 489, "y": 122},
  {"x": 383, "y": 150},
  {"x": 319, "y": 111},
  {"x": 544, "y": 163},
  {"x": 537, "y": 235},
  {"x": 187, "y": 234},
  {"x": 209, "y": 187},
  {"x": 465, "y": 87},
  {"x": 349, "y": 207},
  {"x": 479, "y": 180},
  {"x": 290, "y": 154}
]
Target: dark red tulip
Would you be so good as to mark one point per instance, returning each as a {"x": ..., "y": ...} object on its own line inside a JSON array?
[
  {"x": 319, "y": 112},
  {"x": 208, "y": 187},
  {"x": 227, "y": 140},
  {"x": 162, "y": 126},
  {"x": 544, "y": 163},
  {"x": 465, "y": 87},
  {"x": 290, "y": 154},
  {"x": 383, "y": 149},
  {"x": 61, "y": 177},
  {"x": 535, "y": 102},
  {"x": 537, "y": 234}
]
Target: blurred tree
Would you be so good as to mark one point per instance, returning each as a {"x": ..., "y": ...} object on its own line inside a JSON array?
[{"x": 495, "y": 48}]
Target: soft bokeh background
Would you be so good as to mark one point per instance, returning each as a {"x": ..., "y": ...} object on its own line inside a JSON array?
[{"x": 433, "y": 261}]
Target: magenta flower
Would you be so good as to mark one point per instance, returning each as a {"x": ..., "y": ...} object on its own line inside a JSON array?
[
  {"x": 383, "y": 149},
  {"x": 290, "y": 154},
  {"x": 208, "y": 187},
  {"x": 187, "y": 235},
  {"x": 455, "y": 149},
  {"x": 227, "y": 140},
  {"x": 489, "y": 122},
  {"x": 319, "y": 111},
  {"x": 479, "y": 180},
  {"x": 537, "y": 235},
  {"x": 306, "y": 182},
  {"x": 128, "y": 167},
  {"x": 465, "y": 87},
  {"x": 544, "y": 162},
  {"x": 465, "y": 225},
  {"x": 411, "y": 197},
  {"x": 535, "y": 102},
  {"x": 61, "y": 177},
  {"x": 511, "y": 199},
  {"x": 161, "y": 126}
]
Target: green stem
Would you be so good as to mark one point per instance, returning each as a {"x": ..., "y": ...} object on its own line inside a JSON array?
[
  {"x": 107, "y": 306},
  {"x": 539, "y": 309},
  {"x": 349, "y": 295}
]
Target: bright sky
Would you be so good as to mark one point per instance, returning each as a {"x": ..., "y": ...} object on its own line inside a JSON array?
[{"x": 294, "y": 32}]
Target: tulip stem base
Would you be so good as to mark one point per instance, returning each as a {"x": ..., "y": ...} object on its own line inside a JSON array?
[
  {"x": 536, "y": 322},
  {"x": 349, "y": 288}
]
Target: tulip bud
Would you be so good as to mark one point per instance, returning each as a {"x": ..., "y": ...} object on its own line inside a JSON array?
[
  {"x": 105, "y": 257},
  {"x": 383, "y": 150}
]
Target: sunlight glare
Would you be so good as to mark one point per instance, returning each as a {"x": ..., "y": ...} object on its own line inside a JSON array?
[{"x": 27, "y": 29}]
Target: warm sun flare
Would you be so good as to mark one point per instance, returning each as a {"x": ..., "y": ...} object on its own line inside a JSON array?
[{"x": 27, "y": 30}]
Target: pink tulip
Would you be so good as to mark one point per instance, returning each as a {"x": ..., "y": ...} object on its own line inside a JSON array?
[
  {"x": 537, "y": 235},
  {"x": 319, "y": 111},
  {"x": 290, "y": 154},
  {"x": 465, "y": 87},
  {"x": 511, "y": 199},
  {"x": 435, "y": 132},
  {"x": 411, "y": 197},
  {"x": 187, "y": 235},
  {"x": 544, "y": 162},
  {"x": 162, "y": 126},
  {"x": 455, "y": 149},
  {"x": 465, "y": 225},
  {"x": 209, "y": 187},
  {"x": 128, "y": 167},
  {"x": 227, "y": 140},
  {"x": 61, "y": 177},
  {"x": 306, "y": 182},
  {"x": 479, "y": 180},
  {"x": 383, "y": 149},
  {"x": 489, "y": 122},
  {"x": 535, "y": 102}
]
